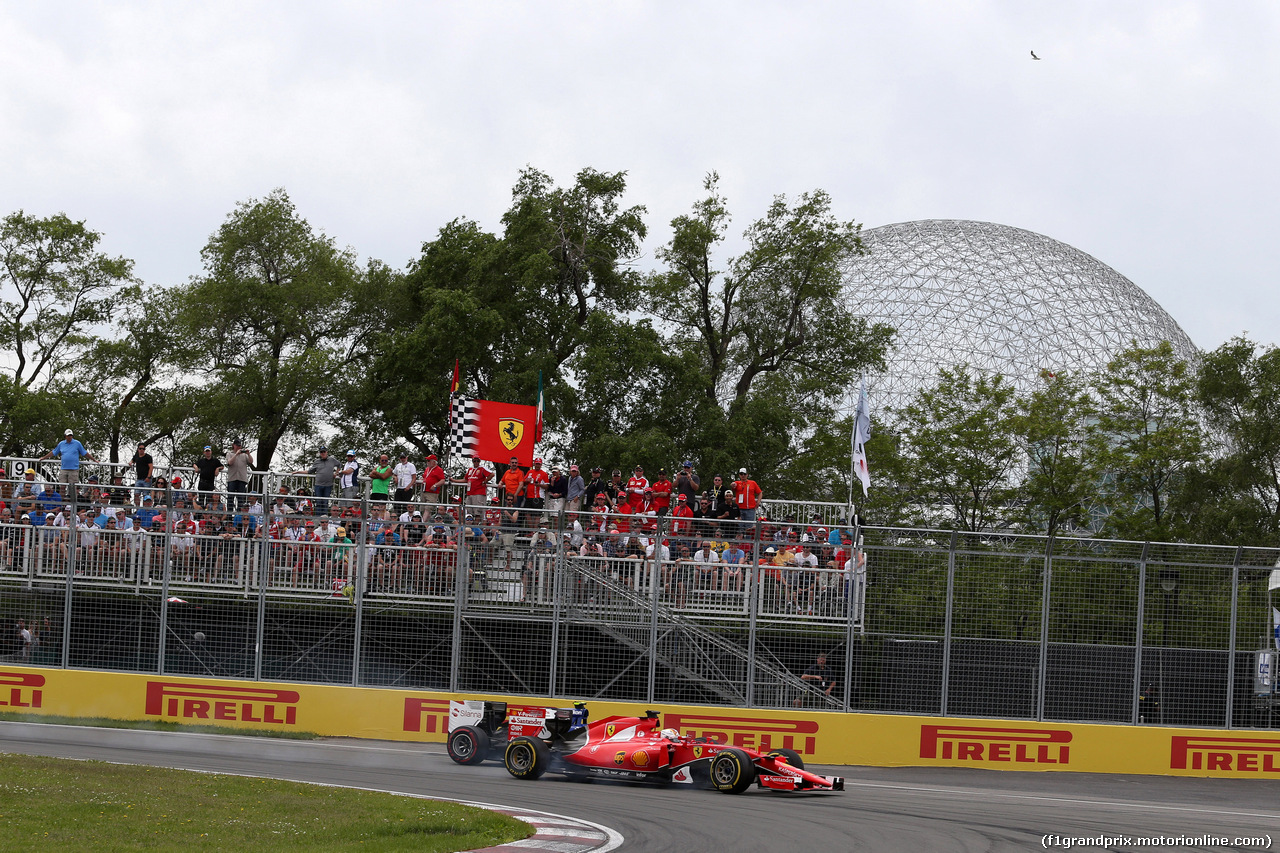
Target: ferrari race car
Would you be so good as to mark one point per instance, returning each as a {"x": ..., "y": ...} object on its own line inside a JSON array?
[
  {"x": 479, "y": 730},
  {"x": 638, "y": 748}
]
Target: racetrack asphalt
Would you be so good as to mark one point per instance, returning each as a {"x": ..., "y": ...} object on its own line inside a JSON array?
[{"x": 882, "y": 809}]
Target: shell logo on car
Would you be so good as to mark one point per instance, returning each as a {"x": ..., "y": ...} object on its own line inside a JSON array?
[{"x": 640, "y": 758}]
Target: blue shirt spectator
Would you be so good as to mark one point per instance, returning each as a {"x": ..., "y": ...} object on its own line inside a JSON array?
[
  {"x": 50, "y": 500},
  {"x": 734, "y": 555},
  {"x": 69, "y": 452},
  {"x": 145, "y": 515}
]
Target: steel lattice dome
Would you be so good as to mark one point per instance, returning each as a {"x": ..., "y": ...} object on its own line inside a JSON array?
[{"x": 1000, "y": 299}]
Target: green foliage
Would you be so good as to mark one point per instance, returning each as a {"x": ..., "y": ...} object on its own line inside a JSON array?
[
  {"x": 1145, "y": 438},
  {"x": 961, "y": 451},
  {"x": 55, "y": 286},
  {"x": 776, "y": 310},
  {"x": 272, "y": 320},
  {"x": 1235, "y": 496},
  {"x": 1051, "y": 427}
]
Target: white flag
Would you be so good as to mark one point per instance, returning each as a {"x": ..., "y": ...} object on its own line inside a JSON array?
[
  {"x": 1273, "y": 582},
  {"x": 861, "y": 434}
]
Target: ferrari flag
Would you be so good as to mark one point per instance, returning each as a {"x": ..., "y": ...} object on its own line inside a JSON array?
[{"x": 493, "y": 431}]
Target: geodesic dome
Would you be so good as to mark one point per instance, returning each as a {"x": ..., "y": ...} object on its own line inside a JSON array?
[{"x": 1000, "y": 299}]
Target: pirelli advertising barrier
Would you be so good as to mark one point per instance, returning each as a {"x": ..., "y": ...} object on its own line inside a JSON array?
[{"x": 824, "y": 738}]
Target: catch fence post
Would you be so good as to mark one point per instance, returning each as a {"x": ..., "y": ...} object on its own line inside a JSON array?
[
  {"x": 1231, "y": 643},
  {"x": 1046, "y": 584},
  {"x": 946, "y": 628},
  {"x": 1135, "y": 716}
]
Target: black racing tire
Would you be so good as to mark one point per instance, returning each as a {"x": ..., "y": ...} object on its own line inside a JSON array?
[
  {"x": 790, "y": 756},
  {"x": 468, "y": 745},
  {"x": 732, "y": 771},
  {"x": 526, "y": 758}
]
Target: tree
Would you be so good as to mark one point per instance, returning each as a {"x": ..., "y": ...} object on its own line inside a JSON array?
[
  {"x": 54, "y": 287},
  {"x": 1145, "y": 437},
  {"x": 776, "y": 309},
  {"x": 508, "y": 307},
  {"x": 961, "y": 454},
  {"x": 274, "y": 320},
  {"x": 777, "y": 344},
  {"x": 1051, "y": 428},
  {"x": 1234, "y": 497},
  {"x": 139, "y": 395}
]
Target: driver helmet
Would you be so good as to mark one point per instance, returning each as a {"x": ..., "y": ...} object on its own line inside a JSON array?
[{"x": 670, "y": 734}]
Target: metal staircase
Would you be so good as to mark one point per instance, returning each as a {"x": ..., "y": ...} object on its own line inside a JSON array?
[{"x": 592, "y": 595}]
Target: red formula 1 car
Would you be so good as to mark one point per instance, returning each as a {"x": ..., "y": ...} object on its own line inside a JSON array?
[{"x": 638, "y": 748}]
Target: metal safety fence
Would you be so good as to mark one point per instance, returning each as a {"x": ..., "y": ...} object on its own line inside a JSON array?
[{"x": 795, "y": 609}]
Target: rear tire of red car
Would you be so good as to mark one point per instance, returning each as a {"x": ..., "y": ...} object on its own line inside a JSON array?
[
  {"x": 732, "y": 771},
  {"x": 526, "y": 758},
  {"x": 790, "y": 756},
  {"x": 468, "y": 745}
]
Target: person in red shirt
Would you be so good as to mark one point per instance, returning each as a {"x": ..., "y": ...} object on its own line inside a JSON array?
[
  {"x": 477, "y": 481},
  {"x": 662, "y": 489},
  {"x": 679, "y": 525},
  {"x": 625, "y": 510},
  {"x": 748, "y": 493},
  {"x": 636, "y": 486},
  {"x": 433, "y": 478},
  {"x": 600, "y": 513},
  {"x": 647, "y": 518},
  {"x": 535, "y": 490}
]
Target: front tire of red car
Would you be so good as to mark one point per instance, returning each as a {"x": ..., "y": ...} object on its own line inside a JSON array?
[
  {"x": 732, "y": 771},
  {"x": 526, "y": 758},
  {"x": 468, "y": 745}
]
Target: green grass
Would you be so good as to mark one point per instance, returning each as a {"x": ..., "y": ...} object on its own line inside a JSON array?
[
  {"x": 151, "y": 725},
  {"x": 57, "y": 804}
]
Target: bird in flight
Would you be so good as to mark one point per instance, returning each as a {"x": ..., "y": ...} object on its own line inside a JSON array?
[{"x": 1033, "y": 55}]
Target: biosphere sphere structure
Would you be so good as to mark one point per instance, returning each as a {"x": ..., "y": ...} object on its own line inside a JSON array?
[{"x": 1000, "y": 299}]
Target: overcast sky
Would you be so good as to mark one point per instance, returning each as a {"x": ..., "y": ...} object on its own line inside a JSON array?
[{"x": 1147, "y": 135}]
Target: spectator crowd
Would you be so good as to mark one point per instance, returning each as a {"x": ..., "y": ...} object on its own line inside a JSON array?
[{"x": 703, "y": 530}]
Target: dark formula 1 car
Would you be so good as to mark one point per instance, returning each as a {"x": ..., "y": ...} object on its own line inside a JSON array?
[
  {"x": 638, "y": 748},
  {"x": 479, "y": 730}
]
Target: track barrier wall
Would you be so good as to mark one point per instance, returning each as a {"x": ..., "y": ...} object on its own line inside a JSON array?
[{"x": 821, "y": 737}]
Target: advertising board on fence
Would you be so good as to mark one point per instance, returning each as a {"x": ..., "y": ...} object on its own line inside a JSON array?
[{"x": 821, "y": 737}]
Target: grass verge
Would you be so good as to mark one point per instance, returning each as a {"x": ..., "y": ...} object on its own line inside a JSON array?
[
  {"x": 151, "y": 725},
  {"x": 49, "y": 803}
]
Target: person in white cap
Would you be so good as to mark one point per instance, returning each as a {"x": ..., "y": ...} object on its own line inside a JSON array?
[{"x": 70, "y": 452}]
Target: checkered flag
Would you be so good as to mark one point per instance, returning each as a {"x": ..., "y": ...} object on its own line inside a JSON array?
[{"x": 464, "y": 430}]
